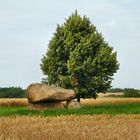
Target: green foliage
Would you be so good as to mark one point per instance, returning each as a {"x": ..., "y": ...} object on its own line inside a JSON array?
[
  {"x": 12, "y": 92},
  {"x": 79, "y": 58},
  {"x": 130, "y": 92}
]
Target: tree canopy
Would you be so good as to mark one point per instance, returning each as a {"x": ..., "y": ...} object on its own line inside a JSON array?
[{"x": 79, "y": 58}]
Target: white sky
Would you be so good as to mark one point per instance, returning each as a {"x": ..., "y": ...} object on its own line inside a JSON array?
[{"x": 26, "y": 26}]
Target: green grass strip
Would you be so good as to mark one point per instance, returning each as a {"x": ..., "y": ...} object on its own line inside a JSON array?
[{"x": 133, "y": 108}]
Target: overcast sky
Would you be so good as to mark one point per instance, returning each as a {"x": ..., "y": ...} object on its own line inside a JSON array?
[{"x": 26, "y": 26}]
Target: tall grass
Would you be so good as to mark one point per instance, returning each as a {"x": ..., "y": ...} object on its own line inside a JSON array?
[
  {"x": 17, "y": 122},
  {"x": 99, "y": 127},
  {"x": 13, "y": 107},
  {"x": 12, "y": 102},
  {"x": 109, "y": 100}
]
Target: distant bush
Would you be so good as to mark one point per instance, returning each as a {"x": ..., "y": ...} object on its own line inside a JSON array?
[
  {"x": 12, "y": 92},
  {"x": 130, "y": 92},
  {"x": 114, "y": 90}
]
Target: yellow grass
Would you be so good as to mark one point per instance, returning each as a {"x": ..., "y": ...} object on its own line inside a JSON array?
[
  {"x": 99, "y": 127},
  {"x": 13, "y": 102},
  {"x": 108, "y": 94},
  {"x": 99, "y": 101},
  {"x": 109, "y": 100}
]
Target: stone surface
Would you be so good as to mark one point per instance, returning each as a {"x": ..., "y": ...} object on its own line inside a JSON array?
[
  {"x": 46, "y": 106},
  {"x": 40, "y": 92},
  {"x": 73, "y": 104}
]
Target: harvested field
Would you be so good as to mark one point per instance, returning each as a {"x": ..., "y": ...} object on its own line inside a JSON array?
[{"x": 99, "y": 127}]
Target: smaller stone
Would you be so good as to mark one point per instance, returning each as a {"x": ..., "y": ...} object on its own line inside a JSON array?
[
  {"x": 73, "y": 104},
  {"x": 46, "y": 106}
]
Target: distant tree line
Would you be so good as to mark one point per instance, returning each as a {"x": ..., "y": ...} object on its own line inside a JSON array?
[
  {"x": 115, "y": 90},
  {"x": 12, "y": 92},
  {"x": 127, "y": 92},
  {"x": 131, "y": 92}
]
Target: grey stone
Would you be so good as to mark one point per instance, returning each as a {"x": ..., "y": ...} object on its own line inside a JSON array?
[
  {"x": 46, "y": 106},
  {"x": 73, "y": 104},
  {"x": 45, "y": 93}
]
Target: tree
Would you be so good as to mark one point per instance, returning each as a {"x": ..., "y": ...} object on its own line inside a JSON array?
[
  {"x": 79, "y": 58},
  {"x": 12, "y": 92},
  {"x": 131, "y": 92}
]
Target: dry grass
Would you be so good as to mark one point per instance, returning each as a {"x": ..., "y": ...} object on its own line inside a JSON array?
[
  {"x": 11, "y": 102},
  {"x": 109, "y": 100},
  {"x": 108, "y": 94},
  {"x": 99, "y": 127}
]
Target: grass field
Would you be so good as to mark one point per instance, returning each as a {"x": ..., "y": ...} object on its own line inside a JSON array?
[
  {"x": 87, "y": 127},
  {"x": 102, "y": 100},
  {"x": 10, "y": 107},
  {"x": 109, "y": 101},
  {"x": 11, "y": 102},
  {"x": 103, "y": 119},
  {"x": 131, "y": 108}
]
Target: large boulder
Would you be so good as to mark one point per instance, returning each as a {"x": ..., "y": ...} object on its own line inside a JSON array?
[
  {"x": 46, "y": 106},
  {"x": 45, "y": 93}
]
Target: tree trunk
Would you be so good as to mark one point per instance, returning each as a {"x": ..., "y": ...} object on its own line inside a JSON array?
[{"x": 78, "y": 98}]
